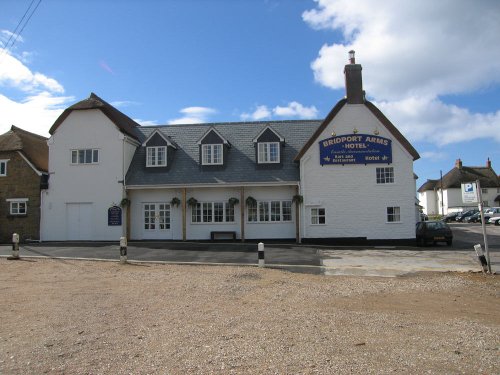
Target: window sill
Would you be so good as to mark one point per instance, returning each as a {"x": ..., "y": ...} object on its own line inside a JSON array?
[
  {"x": 215, "y": 223},
  {"x": 17, "y": 215}
]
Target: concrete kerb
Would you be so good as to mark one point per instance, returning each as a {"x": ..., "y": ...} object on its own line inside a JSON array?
[
  {"x": 311, "y": 269},
  {"x": 166, "y": 262}
]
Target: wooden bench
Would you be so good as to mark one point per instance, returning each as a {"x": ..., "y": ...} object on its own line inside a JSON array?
[{"x": 226, "y": 235}]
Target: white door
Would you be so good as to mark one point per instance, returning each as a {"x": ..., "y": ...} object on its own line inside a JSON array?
[
  {"x": 79, "y": 221},
  {"x": 156, "y": 221}
]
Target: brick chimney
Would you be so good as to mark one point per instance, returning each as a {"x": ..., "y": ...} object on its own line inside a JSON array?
[
  {"x": 353, "y": 81},
  {"x": 458, "y": 164},
  {"x": 488, "y": 163}
]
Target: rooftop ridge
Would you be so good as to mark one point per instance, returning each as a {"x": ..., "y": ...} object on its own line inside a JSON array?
[{"x": 234, "y": 123}]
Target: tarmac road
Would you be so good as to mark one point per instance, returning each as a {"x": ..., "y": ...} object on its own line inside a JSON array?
[{"x": 345, "y": 260}]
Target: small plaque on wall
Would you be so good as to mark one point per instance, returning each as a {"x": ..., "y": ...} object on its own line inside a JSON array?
[{"x": 114, "y": 216}]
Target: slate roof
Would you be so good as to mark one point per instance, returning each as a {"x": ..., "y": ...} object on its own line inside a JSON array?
[
  {"x": 121, "y": 120},
  {"x": 239, "y": 164},
  {"x": 376, "y": 112},
  {"x": 454, "y": 178},
  {"x": 33, "y": 146}
]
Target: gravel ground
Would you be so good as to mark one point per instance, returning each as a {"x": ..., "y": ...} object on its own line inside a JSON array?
[{"x": 82, "y": 317}]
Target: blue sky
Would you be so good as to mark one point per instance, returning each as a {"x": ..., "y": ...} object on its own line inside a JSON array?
[{"x": 433, "y": 69}]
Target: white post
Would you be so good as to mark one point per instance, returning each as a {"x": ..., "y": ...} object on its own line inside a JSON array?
[
  {"x": 15, "y": 246},
  {"x": 480, "y": 206},
  {"x": 123, "y": 250},
  {"x": 260, "y": 248}
]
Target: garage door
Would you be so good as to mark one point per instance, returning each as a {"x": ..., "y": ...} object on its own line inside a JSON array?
[{"x": 79, "y": 221}]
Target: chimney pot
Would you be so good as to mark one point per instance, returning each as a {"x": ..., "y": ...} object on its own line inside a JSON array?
[
  {"x": 488, "y": 163},
  {"x": 352, "y": 60},
  {"x": 458, "y": 164}
]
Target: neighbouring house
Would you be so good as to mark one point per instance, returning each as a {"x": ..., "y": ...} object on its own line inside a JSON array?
[
  {"x": 440, "y": 197},
  {"x": 23, "y": 174},
  {"x": 347, "y": 178}
]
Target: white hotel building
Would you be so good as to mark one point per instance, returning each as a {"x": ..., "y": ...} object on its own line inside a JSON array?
[{"x": 347, "y": 178}]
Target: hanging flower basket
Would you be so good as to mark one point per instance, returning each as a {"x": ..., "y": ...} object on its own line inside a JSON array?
[
  {"x": 175, "y": 202},
  {"x": 298, "y": 199},
  {"x": 251, "y": 201},
  {"x": 125, "y": 202},
  {"x": 192, "y": 202},
  {"x": 233, "y": 201}
]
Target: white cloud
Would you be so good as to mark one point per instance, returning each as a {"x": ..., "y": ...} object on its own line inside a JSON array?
[
  {"x": 194, "y": 115},
  {"x": 413, "y": 53},
  {"x": 293, "y": 109},
  {"x": 260, "y": 113},
  {"x": 419, "y": 117},
  {"x": 146, "y": 122},
  {"x": 434, "y": 155},
  {"x": 13, "y": 73},
  {"x": 6, "y": 35},
  {"x": 35, "y": 113},
  {"x": 123, "y": 103},
  {"x": 41, "y": 100}
]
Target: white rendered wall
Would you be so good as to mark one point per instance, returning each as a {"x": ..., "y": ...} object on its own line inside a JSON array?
[
  {"x": 428, "y": 201},
  {"x": 97, "y": 184},
  {"x": 201, "y": 231},
  {"x": 356, "y": 206}
]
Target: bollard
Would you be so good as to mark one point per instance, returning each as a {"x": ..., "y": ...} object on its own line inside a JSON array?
[
  {"x": 481, "y": 258},
  {"x": 260, "y": 248},
  {"x": 15, "y": 246},
  {"x": 123, "y": 250}
]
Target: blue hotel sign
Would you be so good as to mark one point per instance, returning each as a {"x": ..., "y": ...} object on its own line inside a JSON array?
[{"x": 355, "y": 149}]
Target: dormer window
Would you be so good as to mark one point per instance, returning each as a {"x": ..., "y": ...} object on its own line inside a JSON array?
[
  {"x": 268, "y": 146},
  {"x": 213, "y": 146},
  {"x": 157, "y": 149},
  {"x": 212, "y": 154},
  {"x": 156, "y": 156},
  {"x": 269, "y": 152}
]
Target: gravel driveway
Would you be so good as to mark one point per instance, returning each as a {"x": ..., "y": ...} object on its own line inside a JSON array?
[{"x": 83, "y": 317}]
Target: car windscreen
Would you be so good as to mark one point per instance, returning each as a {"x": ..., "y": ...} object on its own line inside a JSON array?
[{"x": 436, "y": 225}]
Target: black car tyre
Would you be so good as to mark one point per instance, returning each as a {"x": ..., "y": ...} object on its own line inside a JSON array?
[
  {"x": 497, "y": 222},
  {"x": 449, "y": 242}
]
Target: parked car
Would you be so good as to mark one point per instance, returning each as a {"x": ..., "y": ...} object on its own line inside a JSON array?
[
  {"x": 460, "y": 217},
  {"x": 450, "y": 217},
  {"x": 476, "y": 218},
  {"x": 490, "y": 212},
  {"x": 432, "y": 232},
  {"x": 494, "y": 220},
  {"x": 423, "y": 217}
]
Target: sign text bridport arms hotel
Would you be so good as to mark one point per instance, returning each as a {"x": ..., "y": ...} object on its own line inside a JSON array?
[{"x": 355, "y": 149}]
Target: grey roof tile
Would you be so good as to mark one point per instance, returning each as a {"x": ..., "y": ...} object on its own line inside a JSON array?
[{"x": 239, "y": 164}]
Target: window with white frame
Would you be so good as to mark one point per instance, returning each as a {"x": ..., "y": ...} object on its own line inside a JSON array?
[
  {"x": 156, "y": 156},
  {"x": 268, "y": 152},
  {"x": 212, "y": 212},
  {"x": 385, "y": 175},
  {"x": 18, "y": 206},
  {"x": 393, "y": 214},
  {"x": 318, "y": 216},
  {"x": 85, "y": 156},
  {"x": 270, "y": 211},
  {"x": 211, "y": 154},
  {"x": 3, "y": 168}
]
